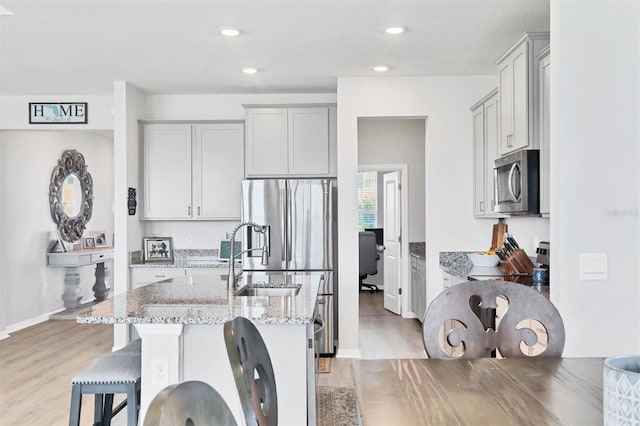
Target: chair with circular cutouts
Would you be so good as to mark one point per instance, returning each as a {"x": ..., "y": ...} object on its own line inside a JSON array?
[{"x": 475, "y": 318}]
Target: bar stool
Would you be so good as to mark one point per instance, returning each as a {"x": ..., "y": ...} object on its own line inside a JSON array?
[{"x": 118, "y": 372}]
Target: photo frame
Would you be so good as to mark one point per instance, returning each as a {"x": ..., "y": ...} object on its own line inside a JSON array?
[
  {"x": 157, "y": 249},
  {"x": 100, "y": 237},
  {"x": 89, "y": 242}
]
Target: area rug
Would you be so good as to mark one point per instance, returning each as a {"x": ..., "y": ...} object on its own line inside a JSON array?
[
  {"x": 324, "y": 365},
  {"x": 337, "y": 406}
]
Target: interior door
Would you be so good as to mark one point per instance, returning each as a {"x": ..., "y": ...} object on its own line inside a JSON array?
[{"x": 392, "y": 240}]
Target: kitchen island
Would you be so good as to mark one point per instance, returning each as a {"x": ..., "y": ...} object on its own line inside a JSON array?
[{"x": 180, "y": 322}]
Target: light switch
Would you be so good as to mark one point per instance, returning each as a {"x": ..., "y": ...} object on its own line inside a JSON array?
[{"x": 593, "y": 266}]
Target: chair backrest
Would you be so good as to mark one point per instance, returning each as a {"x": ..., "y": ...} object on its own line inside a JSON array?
[
  {"x": 252, "y": 371},
  {"x": 189, "y": 403},
  {"x": 368, "y": 254},
  {"x": 530, "y": 326}
]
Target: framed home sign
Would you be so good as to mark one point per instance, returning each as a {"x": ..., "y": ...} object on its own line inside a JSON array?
[{"x": 58, "y": 113}]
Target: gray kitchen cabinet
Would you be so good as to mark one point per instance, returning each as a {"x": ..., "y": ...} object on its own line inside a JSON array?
[
  {"x": 544, "y": 59},
  {"x": 193, "y": 171},
  {"x": 485, "y": 151},
  {"x": 291, "y": 141},
  {"x": 518, "y": 76},
  {"x": 418, "y": 286}
]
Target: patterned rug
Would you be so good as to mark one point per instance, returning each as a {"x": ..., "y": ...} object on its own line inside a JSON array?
[{"x": 337, "y": 406}]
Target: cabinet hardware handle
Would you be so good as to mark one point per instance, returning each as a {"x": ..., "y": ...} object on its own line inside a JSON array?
[
  {"x": 159, "y": 276},
  {"x": 189, "y": 211},
  {"x": 481, "y": 206},
  {"x": 198, "y": 210}
]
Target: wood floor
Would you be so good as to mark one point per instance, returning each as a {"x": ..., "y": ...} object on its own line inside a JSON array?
[
  {"x": 36, "y": 368},
  {"x": 38, "y": 363}
]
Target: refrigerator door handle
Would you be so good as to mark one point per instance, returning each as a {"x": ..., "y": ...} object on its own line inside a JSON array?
[{"x": 284, "y": 223}]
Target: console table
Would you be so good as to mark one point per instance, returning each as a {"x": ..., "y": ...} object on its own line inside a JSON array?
[{"x": 72, "y": 261}]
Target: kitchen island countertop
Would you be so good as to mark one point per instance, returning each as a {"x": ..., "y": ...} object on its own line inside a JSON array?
[{"x": 205, "y": 299}]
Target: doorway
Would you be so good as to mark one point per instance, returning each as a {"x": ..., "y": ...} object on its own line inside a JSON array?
[{"x": 391, "y": 157}]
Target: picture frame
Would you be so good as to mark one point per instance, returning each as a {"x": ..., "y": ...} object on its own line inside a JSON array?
[
  {"x": 100, "y": 237},
  {"x": 157, "y": 249},
  {"x": 89, "y": 242},
  {"x": 58, "y": 113}
]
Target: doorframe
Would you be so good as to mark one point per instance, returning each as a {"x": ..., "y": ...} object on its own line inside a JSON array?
[{"x": 403, "y": 168}]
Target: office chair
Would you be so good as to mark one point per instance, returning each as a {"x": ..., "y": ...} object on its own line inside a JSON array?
[
  {"x": 368, "y": 258},
  {"x": 530, "y": 325}
]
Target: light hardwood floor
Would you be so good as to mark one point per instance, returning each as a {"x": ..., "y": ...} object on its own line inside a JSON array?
[{"x": 36, "y": 368}]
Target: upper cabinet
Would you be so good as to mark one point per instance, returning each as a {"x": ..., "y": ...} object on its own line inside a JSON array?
[
  {"x": 193, "y": 171},
  {"x": 485, "y": 151},
  {"x": 291, "y": 141},
  {"x": 544, "y": 66},
  {"x": 518, "y": 75}
]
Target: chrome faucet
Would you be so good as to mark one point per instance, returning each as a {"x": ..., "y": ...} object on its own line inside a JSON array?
[{"x": 263, "y": 229}]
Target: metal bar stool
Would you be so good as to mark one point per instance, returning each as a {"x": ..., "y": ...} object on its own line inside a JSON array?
[{"x": 118, "y": 372}]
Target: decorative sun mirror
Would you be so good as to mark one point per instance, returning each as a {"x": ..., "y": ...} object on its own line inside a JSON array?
[{"x": 71, "y": 195}]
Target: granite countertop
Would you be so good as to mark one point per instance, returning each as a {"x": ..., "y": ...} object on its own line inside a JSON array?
[
  {"x": 200, "y": 299},
  {"x": 183, "y": 258},
  {"x": 417, "y": 249}
]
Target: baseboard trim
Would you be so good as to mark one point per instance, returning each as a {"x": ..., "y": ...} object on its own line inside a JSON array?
[
  {"x": 12, "y": 328},
  {"x": 4, "y": 334}
]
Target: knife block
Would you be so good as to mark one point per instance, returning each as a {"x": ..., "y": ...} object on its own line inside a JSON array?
[{"x": 518, "y": 263}]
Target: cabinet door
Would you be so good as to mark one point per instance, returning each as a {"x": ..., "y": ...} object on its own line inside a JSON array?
[
  {"x": 267, "y": 142},
  {"x": 218, "y": 168},
  {"x": 167, "y": 171},
  {"x": 308, "y": 141},
  {"x": 479, "y": 162},
  {"x": 545, "y": 81},
  {"x": 520, "y": 99},
  {"x": 491, "y": 108},
  {"x": 505, "y": 76}
]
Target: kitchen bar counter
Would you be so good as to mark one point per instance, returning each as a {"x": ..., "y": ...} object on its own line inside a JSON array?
[
  {"x": 205, "y": 299},
  {"x": 181, "y": 324}
]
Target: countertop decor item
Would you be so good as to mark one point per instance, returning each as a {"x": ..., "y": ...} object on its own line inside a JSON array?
[
  {"x": 621, "y": 390},
  {"x": 158, "y": 249},
  {"x": 483, "y": 259}
]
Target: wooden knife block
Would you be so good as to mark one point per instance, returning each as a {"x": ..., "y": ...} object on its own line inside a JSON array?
[
  {"x": 497, "y": 238},
  {"x": 518, "y": 263}
]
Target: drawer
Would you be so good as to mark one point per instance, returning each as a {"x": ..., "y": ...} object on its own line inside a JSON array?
[{"x": 101, "y": 257}]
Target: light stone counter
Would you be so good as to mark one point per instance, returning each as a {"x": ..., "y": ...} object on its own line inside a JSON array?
[{"x": 205, "y": 299}]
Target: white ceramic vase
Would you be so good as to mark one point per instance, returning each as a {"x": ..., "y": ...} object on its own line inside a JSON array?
[{"x": 621, "y": 391}]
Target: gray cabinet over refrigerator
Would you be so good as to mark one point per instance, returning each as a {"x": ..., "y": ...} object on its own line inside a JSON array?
[{"x": 301, "y": 218}]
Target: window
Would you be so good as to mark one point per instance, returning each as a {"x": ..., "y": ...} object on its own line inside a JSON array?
[{"x": 367, "y": 200}]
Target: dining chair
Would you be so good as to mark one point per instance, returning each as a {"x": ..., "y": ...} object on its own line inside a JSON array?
[
  {"x": 461, "y": 322},
  {"x": 189, "y": 403},
  {"x": 252, "y": 371}
]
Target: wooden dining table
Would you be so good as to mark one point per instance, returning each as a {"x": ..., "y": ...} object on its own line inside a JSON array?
[{"x": 485, "y": 391}]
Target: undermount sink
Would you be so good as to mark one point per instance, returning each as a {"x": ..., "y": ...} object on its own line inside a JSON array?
[{"x": 279, "y": 291}]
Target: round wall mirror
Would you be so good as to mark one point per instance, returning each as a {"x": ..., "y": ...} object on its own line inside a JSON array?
[{"x": 71, "y": 195}]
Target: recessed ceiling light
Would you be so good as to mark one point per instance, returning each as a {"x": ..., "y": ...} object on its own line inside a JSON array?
[
  {"x": 394, "y": 30},
  {"x": 380, "y": 68},
  {"x": 229, "y": 32},
  {"x": 249, "y": 70},
  {"x": 5, "y": 11}
]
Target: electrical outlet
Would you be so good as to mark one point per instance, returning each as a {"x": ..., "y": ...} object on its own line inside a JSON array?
[
  {"x": 160, "y": 372},
  {"x": 190, "y": 238}
]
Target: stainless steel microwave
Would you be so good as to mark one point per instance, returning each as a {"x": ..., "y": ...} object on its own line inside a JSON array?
[{"x": 516, "y": 183}]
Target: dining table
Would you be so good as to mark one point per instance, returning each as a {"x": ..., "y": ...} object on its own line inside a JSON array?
[{"x": 482, "y": 391}]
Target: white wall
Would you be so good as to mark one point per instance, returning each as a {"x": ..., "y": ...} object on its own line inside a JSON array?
[
  {"x": 595, "y": 198},
  {"x": 207, "y": 235},
  {"x": 3, "y": 248},
  {"x": 449, "y": 225},
  {"x": 32, "y": 289},
  {"x": 398, "y": 141}
]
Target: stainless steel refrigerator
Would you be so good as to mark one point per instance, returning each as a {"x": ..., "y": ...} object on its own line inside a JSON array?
[{"x": 301, "y": 216}]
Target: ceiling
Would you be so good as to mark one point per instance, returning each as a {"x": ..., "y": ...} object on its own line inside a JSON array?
[{"x": 68, "y": 47}]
